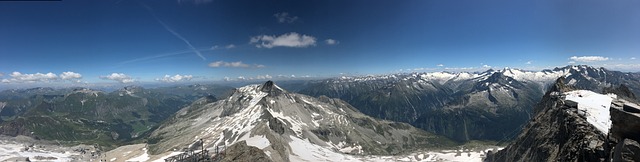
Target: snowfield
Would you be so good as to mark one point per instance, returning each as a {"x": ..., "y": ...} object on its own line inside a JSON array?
[{"x": 594, "y": 106}]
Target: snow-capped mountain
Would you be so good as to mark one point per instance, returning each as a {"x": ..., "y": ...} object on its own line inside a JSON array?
[
  {"x": 288, "y": 127},
  {"x": 485, "y": 105}
]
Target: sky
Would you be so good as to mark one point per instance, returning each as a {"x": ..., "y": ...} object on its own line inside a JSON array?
[{"x": 136, "y": 41}]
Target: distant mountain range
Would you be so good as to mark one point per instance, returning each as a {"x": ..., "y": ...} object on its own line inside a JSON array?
[
  {"x": 490, "y": 105},
  {"x": 90, "y": 116}
]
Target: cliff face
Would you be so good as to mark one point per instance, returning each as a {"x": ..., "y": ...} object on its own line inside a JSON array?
[{"x": 561, "y": 131}]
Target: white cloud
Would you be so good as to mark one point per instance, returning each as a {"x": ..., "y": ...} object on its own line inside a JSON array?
[
  {"x": 230, "y": 46},
  {"x": 70, "y": 76},
  {"x": 292, "y": 39},
  {"x": 529, "y": 62},
  {"x": 263, "y": 77},
  {"x": 284, "y": 17},
  {"x": 486, "y": 66},
  {"x": 17, "y": 77},
  {"x": 175, "y": 78},
  {"x": 120, "y": 77},
  {"x": 571, "y": 62},
  {"x": 440, "y": 65},
  {"x": 331, "y": 41},
  {"x": 1, "y": 74},
  {"x": 215, "y": 47},
  {"x": 633, "y": 58},
  {"x": 237, "y": 64},
  {"x": 588, "y": 58}
]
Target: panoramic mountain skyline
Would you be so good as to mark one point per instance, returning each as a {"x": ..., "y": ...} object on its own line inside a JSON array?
[{"x": 125, "y": 42}]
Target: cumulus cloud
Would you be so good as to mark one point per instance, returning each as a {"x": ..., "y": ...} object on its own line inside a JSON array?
[
  {"x": 70, "y": 76},
  {"x": 588, "y": 58},
  {"x": 292, "y": 39},
  {"x": 237, "y": 64},
  {"x": 331, "y": 41},
  {"x": 119, "y": 77},
  {"x": 175, "y": 78},
  {"x": 17, "y": 77},
  {"x": 284, "y": 17}
]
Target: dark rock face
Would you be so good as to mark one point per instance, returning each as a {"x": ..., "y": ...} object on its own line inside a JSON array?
[
  {"x": 241, "y": 152},
  {"x": 627, "y": 151},
  {"x": 15, "y": 128},
  {"x": 556, "y": 133}
]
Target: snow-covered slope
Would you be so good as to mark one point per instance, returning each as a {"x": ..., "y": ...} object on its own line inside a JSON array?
[{"x": 288, "y": 127}]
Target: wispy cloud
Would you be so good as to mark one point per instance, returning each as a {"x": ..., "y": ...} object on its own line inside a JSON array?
[
  {"x": 284, "y": 17},
  {"x": 292, "y": 39},
  {"x": 237, "y": 64},
  {"x": 229, "y": 46},
  {"x": 528, "y": 62},
  {"x": 193, "y": 49},
  {"x": 440, "y": 65},
  {"x": 119, "y": 77},
  {"x": 331, "y": 41},
  {"x": 633, "y": 58},
  {"x": 175, "y": 78},
  {"x": 588, "y": 58}
]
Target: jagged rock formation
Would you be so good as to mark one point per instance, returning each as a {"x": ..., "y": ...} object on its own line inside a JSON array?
[
  {"x": 241, "y": 152},
  {"x": 288, "y": 127},
  {"x": 561, "y": 131}
]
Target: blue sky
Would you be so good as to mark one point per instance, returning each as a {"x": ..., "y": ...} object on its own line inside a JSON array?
[{"x": 122, "y": 41}]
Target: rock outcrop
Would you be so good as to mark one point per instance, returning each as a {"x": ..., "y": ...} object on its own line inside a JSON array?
[
  {"x": 560, "y": 132},
  {"x": 241, "y": 152}
]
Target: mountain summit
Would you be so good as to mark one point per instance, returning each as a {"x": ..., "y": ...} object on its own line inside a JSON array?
[{"x": 287, "y": 127}]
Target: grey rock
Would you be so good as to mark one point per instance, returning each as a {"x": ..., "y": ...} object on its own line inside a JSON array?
[
  {"x": 627, "y": 151},
  {"x": 241, "y": 152}
]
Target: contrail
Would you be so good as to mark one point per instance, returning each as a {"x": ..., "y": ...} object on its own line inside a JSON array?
[{"x": 193, "y": 49}]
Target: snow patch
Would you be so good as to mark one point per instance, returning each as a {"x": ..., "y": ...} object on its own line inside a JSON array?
[{"x": 596, "y": 107}]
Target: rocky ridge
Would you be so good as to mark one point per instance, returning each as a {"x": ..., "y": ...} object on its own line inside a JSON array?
[{"x": 562, "y": 131}]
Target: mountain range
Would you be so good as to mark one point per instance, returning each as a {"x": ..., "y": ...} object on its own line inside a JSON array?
[{"x": 489, "y": 105}]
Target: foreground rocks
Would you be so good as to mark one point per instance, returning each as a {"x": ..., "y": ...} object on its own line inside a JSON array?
[{"x": 558, "y": 132}]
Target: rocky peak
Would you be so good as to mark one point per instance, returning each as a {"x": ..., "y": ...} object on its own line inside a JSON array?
[{"x": 271, "y": 88}]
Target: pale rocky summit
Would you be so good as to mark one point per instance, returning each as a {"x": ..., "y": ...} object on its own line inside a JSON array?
[{"x": 287, "y": 127}]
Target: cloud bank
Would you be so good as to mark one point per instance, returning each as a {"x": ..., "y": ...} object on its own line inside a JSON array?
[
  {"x": 18, "y": 77},
  {"x": 237, "y": 64},
  {"x": 175, "y": 78},
  {"x": 588, "y": 58}
]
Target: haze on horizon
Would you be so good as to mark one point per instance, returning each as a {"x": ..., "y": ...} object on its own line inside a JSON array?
[{"x": 75, "y": 42}]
